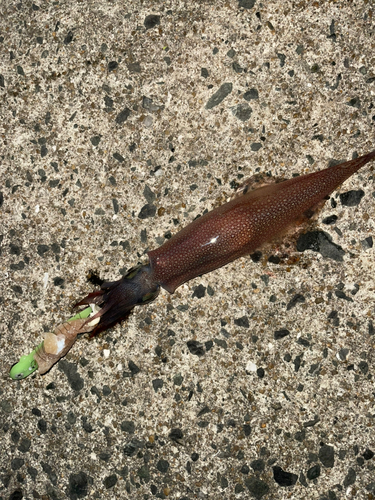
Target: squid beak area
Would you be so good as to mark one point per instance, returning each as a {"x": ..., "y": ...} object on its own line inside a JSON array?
[{"x": 117, "y": 298}]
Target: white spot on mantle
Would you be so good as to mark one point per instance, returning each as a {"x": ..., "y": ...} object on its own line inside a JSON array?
[{"x": 251, "y": 367}]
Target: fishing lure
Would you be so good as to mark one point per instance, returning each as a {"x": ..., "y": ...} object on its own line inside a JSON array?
[
  {"x": 228, "y": 232},
  {"x": 55, "y": 345}
]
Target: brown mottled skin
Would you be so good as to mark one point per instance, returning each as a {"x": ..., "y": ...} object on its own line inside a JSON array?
[
  {"x": 228, "y": 232},
  {"x": 242, "y": 225}
]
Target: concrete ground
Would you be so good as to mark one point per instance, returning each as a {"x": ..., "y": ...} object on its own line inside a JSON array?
[{"x": 120, "y": 123}]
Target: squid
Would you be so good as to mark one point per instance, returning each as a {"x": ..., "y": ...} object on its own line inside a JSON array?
[{"x": 230, "y": 231}]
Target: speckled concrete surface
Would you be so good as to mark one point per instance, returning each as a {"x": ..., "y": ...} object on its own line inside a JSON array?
[{"x": 120, "y": 123}]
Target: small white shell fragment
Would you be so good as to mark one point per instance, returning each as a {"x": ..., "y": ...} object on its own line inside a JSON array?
[
  {"x": 251, "y": 367},
  {"x": 36, "y": 209},
  {"x": 106, "y": 353},
  {"x": 119, "y": 367},
  {"x": 45, "y": 280}
]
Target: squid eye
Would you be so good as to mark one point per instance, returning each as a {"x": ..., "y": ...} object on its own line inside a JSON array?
[
  {"x": 133, "y": 271},
  {"x": 19, "y": 376}
]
